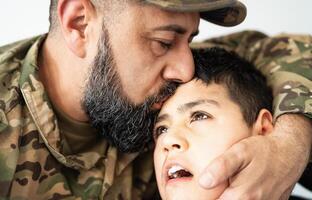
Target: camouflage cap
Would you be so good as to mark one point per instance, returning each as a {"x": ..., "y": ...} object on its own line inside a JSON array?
[{"x": 221, "y": 12}]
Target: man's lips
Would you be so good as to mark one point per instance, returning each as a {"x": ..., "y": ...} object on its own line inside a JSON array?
[{"x": 159, "y": 104}]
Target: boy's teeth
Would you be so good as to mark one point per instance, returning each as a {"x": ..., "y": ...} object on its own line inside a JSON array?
[
  {"x": 177, "y": 171},
  {"x": 174, "y": 169}
]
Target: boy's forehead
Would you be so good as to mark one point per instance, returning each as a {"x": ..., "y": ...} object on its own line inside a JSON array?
[{"x": 195, "y": 91}]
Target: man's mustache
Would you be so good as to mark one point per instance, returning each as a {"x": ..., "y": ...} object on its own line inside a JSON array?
[{"x": 164, "y": 93}]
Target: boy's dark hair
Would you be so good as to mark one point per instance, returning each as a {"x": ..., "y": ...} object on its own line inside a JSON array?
[{"x": 246, "y": 85}]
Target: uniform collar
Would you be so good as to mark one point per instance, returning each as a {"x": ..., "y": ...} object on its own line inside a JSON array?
[{"x": 46, "y": 121}]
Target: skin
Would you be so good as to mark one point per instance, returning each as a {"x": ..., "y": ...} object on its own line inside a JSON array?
[
  {"x": 144, "y": 70},
  {"x": 160, "y": 50},
  {"x": 192, "y": 135},
  {"x": 64, "y": 64},
  {"x": 291, "y": 143}
]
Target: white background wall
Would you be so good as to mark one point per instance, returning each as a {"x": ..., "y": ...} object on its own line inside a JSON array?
[
  {"x": 269, "y": 16},
  {"x": 21, "y": 19}
]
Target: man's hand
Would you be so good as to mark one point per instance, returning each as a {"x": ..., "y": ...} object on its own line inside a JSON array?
[{"x": 264, "y": 167}]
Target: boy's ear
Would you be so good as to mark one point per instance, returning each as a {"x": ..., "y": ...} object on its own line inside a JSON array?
[
  {"x": 264, "y": 123},
  {"x": 74, "y": 17}
]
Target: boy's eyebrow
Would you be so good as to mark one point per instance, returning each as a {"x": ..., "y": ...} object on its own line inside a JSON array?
[
  {"x": 161, "y": 118},
  {"x": 187, "y": 106}
]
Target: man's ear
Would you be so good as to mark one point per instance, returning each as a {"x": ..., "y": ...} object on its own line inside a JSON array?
[
  {"x": 264, "y": 123},
  {"x": 74, "y": 17}
]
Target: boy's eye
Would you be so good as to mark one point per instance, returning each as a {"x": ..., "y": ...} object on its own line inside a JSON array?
[
  {"x": 197, "y": 116},
  {"x": 159, "y": 130}
]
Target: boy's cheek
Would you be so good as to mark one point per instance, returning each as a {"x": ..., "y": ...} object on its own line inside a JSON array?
[
  {"x": 205, "y": 153},
  {"x": 158, "y": 161}
]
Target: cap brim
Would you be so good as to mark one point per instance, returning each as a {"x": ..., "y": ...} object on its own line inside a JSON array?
[{"x": 223, "y": 12}]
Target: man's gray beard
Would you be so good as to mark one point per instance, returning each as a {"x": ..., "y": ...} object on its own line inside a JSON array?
[{"x": 127, "y": 126}]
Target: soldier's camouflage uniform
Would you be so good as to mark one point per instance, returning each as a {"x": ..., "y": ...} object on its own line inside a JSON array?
[{"x": 33, "y": 164}]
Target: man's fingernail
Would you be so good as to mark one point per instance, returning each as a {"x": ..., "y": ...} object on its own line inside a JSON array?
[{"x": 206, "y": 180}]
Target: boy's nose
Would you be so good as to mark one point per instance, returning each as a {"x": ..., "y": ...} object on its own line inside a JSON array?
[{"x": 174, "y": 142}]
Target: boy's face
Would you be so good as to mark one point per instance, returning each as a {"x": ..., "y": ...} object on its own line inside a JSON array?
[{"x": 198, "y": 123}]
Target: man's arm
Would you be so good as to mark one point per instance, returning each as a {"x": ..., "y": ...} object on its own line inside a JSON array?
[
  {"x": 267, "y": 167},
  {"x": 285, "y": 60}
]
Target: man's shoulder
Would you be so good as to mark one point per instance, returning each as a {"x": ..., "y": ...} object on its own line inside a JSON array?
[
  {"x": 231, "y": 41},
  {"x": 11, "y": 60},
  {"x": 17, "y": 48},
  {"x": 12, "y": 57}
]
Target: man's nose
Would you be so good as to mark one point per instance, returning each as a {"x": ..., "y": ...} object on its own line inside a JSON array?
[
  {"x": 180, "y": 67},
  {"x": 174, "y": 142}
]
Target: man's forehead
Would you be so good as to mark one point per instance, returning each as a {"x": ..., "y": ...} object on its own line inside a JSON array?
[
  {"x": 169, "y": 21},
  {"x": 175, "y": 28}
]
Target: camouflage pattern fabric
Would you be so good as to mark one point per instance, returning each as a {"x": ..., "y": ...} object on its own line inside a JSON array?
[
  {"x": 286, "y": 61},
  {"x": 32, "y": 165},
  {"x": 221, "y": 12}
]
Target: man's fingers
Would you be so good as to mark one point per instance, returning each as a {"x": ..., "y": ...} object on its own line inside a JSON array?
[
  {"x": 225, "y": 166},
  {"x": 245, "y": 193},
  {"x": 240, "y": 193},
  {"x": 230, "y": 194}
]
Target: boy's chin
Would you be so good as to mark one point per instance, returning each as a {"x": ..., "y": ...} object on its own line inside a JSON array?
[{"x": 196, "y": 192}]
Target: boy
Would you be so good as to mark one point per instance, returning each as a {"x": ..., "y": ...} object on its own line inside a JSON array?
[{"x": 227, "y": 101}]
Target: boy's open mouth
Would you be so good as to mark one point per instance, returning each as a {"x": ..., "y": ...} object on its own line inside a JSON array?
[{"x": 176, "y": 171}]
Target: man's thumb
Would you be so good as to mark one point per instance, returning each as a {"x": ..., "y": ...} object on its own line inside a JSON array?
[{"x": 221, "y": 169}]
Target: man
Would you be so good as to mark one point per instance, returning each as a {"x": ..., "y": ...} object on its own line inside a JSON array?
[{"x": 111, "y": 64}]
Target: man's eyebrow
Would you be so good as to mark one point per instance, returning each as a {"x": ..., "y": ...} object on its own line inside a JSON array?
[
  {"x": 175, "y": 28},
  {"x": 187, "y": 106},
  {"x": 161, "y": 118}
]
